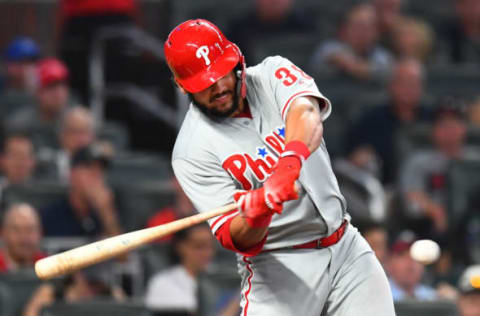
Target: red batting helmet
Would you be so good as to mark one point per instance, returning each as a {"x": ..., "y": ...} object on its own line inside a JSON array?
[{"x": 199, "y": 54}]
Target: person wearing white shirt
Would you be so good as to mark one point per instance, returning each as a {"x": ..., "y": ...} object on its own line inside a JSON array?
[{"x": 176, "y": 288}]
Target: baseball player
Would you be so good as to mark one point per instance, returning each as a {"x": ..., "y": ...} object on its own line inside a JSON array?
[{"x": 250, "y": 134}]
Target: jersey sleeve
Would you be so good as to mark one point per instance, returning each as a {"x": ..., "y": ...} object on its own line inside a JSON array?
[
  {"x": 207, "y": 185},
  {"x": 288, "y": 82}
]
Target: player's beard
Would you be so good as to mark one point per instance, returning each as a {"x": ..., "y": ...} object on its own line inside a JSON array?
[{"x": 214, "y": 112}]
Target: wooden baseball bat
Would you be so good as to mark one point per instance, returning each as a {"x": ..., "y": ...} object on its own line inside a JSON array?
[{"x": 83, "y": 256}]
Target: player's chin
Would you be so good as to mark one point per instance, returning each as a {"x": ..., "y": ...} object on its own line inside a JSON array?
[{"x": 224, "y": 107}]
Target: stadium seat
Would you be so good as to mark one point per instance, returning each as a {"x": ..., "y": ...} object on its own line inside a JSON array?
[
  {"x": 40, "y": 134},
  {"x": 17, "y": 290},
  {"x": 4, "y": 299},
  {"x": 418, "y": 136},
  {"x": 436, "y": 308},
  {"x": 155, "y": 257},
  {"x": 297, "y": 47},
  {"x": 359, "y": 92},
  {"x": 412, "y": 138},
  {"x": 137, "y": 202},
  {"x": 96, "y": 308},
  {"x": 473, "y": 135},
  {"x": 433, "y": 11},
  {"x": 52, "y": 245},
  {"x": 38, "y": 194},
  {"x": 219, "y": 12},
  {"x": 115, "y": 133},
  {"x": 453, "y": 80},
  {"x": 216, "y": 289},
  {"x": 463, "y": 179},
  {"x": 225, "y": 261},
  {"x": 134, "y": 168},
  {"x": 335, "y": 134}
]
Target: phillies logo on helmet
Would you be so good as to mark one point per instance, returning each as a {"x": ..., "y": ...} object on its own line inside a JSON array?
[
  {"x": 202, "y": 52},
  {"x": 199, "y": 54},
  {"x": 238, "y": 165}
]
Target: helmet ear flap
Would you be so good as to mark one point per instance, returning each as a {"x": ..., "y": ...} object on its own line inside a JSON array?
[{"x": 241, "y": 74}]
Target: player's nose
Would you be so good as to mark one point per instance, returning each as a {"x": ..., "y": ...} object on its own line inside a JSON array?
[{"x": 220, "y": 86}]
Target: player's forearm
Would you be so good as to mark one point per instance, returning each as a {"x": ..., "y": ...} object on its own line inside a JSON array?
[
  {"x": 243, "y": 235},
  {"x": 304, "y": 123}
]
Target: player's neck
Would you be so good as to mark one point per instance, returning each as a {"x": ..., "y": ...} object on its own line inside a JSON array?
[{"x": 243, "y": 109}]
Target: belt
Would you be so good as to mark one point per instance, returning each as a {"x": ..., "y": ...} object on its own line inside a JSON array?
[{"x": 325, "y": 241}]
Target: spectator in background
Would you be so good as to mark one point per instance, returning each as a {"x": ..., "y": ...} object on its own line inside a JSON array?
[
  {"x": 469, "y": 299},
  {"x": 269, "y": 18},
  {"x": 21, "y": 235},
  {"x": 76, "y": 131},
  {"x": 474, "y": 112},
  {"x": 377, "y": 237},
  {"x": 182, "y": 207},
  {"x": 88, "y": 284},
  {"x": 424, "y": 175},
  {"x": 89, "y": 208},
  {"x": 405, "y": 274},
  {"x": 356, "y": 52},
  {"x": 462, "y": 35},
  {"x": 52, "y": 98},
  {"x": 17, "y": 161},
  {"x": 413, "y": 38},
  {"x": 378, "y": 127},
  {"x": 20, "y": 59},
  {"x": 389, "y": 12},
  {"x": 357, "y": 176},
  {"x": 80, "y": 22},
  {"x": 176, "y": 287},
  {"x": 467, "y": 231}
]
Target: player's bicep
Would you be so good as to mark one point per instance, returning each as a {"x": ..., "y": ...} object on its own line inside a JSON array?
[{"x": 207, "y": 186}]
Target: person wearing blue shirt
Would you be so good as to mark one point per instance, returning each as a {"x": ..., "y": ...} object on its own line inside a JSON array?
[{"x": 405, "y": 274}]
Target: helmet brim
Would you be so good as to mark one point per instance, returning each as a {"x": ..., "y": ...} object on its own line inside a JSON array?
[{"x": 220, "y": 68}]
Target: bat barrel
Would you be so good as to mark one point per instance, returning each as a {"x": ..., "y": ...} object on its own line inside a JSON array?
[{"x": 89, "y": 254}]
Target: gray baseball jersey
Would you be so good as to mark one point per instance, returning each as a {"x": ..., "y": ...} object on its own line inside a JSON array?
[{"x": 214, "y": 158}]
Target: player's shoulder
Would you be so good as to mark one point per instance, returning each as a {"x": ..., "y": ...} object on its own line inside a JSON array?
[
  {"x": 193, "y": 137},
  {"x": 263, "y": 73},
  {"x": 269, "y": 63}
]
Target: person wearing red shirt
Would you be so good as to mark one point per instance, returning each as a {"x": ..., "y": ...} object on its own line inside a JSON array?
[
  {"x": 181, "y": 207},
  {"x": 21, "y": 234},
  {"x": 73, "y": 8}
]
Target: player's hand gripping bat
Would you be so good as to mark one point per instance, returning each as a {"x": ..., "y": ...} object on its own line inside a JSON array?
[{"x": 83, "y": 256}]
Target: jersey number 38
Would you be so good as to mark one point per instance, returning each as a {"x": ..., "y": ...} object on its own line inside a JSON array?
[{"x": 287, "y": 77}]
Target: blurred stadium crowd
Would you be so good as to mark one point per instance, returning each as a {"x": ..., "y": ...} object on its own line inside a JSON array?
[{"x": 89, "y": 114}]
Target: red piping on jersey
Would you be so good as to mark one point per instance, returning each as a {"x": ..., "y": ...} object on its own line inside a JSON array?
[
  {"x": 225, "y": 238},
  {"x": 291, "y": 98},
  {"x": 249, "y": 280},
  {"x": 223, "y": 216}
]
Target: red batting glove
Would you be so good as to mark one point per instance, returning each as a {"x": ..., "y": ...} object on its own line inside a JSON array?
[
  {"x": 280, "y": 186},
  {"x": 253, "y": 207}
]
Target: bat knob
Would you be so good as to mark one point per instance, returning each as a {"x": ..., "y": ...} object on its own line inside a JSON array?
[{"x": 47, "y": 268}]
